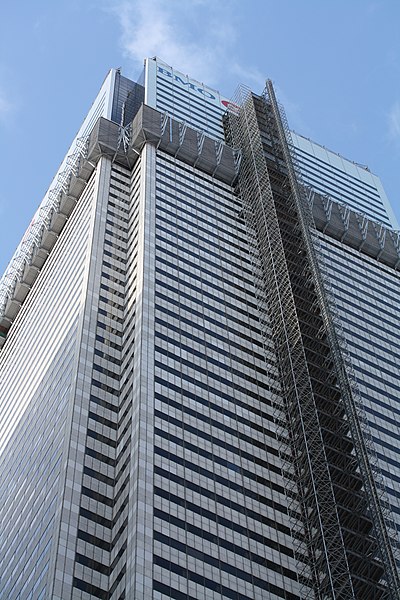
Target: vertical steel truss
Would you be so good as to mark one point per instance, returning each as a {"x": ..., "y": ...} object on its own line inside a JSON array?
[
  {"x": 378, "y": 504},
  {"x": 316, "y": 496},
  {"x": 308, "y": 403}
]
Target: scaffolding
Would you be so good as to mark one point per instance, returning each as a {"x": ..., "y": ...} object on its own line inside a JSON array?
[
  {"x": 41, "y": 223},
  {"x": 383, "y": 526},
  {"x": 354, "y": 228},
  {"x": 343, "y": 532}
]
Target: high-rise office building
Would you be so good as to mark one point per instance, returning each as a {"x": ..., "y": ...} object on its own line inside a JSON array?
[{"x": 198, "y": 365}]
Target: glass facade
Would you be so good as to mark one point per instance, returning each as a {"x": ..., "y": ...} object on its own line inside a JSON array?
[
  {"x": 220, "y": 510},
  {"x": 38, "y": 367},
  {"x": 344, "y": 181},
  {"x": 367, "y": 296},
  {"x": 146, "y": 443}
]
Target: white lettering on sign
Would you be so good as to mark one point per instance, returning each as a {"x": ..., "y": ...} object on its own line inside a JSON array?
[{"x": 186, "y": 83}]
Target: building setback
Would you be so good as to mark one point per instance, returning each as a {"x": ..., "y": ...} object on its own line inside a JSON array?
[{"x": 199, "y": 379}]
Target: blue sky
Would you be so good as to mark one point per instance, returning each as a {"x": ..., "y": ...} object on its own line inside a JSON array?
[{"x": 335, "y": 65}]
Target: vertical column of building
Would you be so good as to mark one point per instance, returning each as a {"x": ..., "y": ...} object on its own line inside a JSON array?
[
  {"x": 100, "y": 560},
  {"x": 101, "y": 539},
  {"x": 127, "y": 209},
  {"x": 73, "y": 525},
  {"x": 140, "y": 518},
  {"x": 220, "y": 510},
  {"x": 38, "y": 365}
]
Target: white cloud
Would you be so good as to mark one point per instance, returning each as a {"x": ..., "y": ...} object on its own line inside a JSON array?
[
  {"x": 394, "y": 121},
  {"x": 250, "y": 76},
  {"x": 195, "y": 36}
]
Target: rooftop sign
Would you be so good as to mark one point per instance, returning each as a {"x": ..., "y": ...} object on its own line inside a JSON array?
[{"x": 183, "y": 82}]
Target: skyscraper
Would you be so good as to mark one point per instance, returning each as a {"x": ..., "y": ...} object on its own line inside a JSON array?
[{"x": 198, "y": 367}]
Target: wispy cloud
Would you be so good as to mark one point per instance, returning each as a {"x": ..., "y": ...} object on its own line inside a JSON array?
[
  {"x": 394, "y": 121},
  {"x": 193, "y": 36},
  {"x": 249, "y": 75},
  {"x": 293, "y": 110}
]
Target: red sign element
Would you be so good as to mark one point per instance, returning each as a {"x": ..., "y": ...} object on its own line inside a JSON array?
[{"x": 230, "y": 106}]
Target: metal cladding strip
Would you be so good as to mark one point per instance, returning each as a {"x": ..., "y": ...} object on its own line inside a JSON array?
[{"x": 381, "y": 518}]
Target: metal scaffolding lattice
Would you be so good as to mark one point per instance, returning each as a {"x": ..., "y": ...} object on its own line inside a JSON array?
[
  {"x": 329, "y": 460},
  {"x": 260, "y": 210},
  {"x": 378, "y": 504},
  {"x": 40, "y": 222}
]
